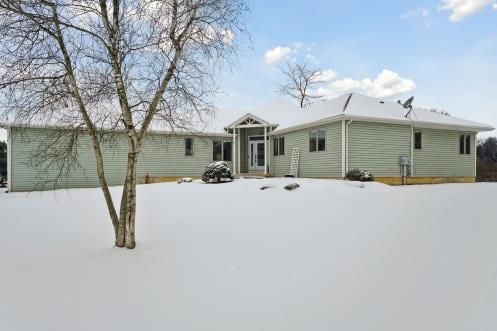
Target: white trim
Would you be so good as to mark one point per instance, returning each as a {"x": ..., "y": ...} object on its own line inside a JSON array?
[
  {"x": 9, "y": 159},
  {"x": 269, "y": 151},
  {"x": 249, "y": 156},
  {"x": 265, "y": 150},
  {"x": 236, "y": 123},
  {"x": 248, "y": 126},
  {"x": 343, "y": 149},
  {"x": 347, "y": 146}
]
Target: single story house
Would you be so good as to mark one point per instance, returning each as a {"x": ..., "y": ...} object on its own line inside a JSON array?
[{"x": 396, "y": 144}]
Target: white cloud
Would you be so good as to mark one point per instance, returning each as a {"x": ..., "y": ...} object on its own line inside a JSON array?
[
  {"x": 326, "y": 75},
  {"x": 276, "y": 54},
  {"x": 386, "y": 84},
  {"x": 494, "y": 7},
  {"x": 418, "y": 12},
  {"x": 460, "y": 9}
]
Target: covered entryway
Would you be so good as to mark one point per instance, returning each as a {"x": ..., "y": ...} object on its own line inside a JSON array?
[{"x": 251, "y": 148}]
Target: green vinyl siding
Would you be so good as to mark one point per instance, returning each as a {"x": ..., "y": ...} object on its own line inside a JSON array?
[
  {"x": 439, "y": 155},
  {"x": 327, "y": 163},
  {"x": 162, "y": 155},
  {"x": 377, "y": 147}
]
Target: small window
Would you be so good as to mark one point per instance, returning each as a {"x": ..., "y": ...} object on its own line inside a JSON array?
[
  {"x": 281, "y": 150},
  {"x": 313, "y": 141},
  {"x": 188, "y": 146},
  {"x": 321, "y": 140},
  {"x": 317, "y": 140},
  {"x": 417, "y": 140},
  {"x": 221, "y": 151},
  {"x": 464, "y": 144},
  {"x": 279, "y": 146},
  {"x": 217, "y": 151}
]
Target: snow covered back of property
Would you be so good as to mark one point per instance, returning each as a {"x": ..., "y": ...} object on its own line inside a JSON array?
[{"x": 327, "y": 256}]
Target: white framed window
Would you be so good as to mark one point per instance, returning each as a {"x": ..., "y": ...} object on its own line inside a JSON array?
[
  {"x": 221, "y": 150},
  {"x": 418, "y": 140},
  {"x": 317, "y": 140},
  {"x": 188, "y": 146},
  {"x": 279, "y": 146},
  {"x": 465, "y": 144}
]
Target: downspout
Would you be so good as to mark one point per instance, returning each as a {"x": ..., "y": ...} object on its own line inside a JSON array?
[
  {"x": 347, "y": 146},
  {"x": 411, "y": 167}
]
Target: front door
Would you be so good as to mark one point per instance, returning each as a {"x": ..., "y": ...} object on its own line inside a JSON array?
[{"x": 256, "y": 155}]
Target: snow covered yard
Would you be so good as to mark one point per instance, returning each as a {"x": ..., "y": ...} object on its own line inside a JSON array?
[{"x": 327, "y": 256}]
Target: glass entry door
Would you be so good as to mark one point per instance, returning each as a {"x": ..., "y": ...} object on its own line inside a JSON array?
[{"x": 256, "y": 155}]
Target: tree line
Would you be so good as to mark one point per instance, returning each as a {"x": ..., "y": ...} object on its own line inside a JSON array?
[{"x": 486, "y": 165}]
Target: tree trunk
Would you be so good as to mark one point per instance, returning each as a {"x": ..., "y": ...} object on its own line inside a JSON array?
[{"x": 126, "y": 227}]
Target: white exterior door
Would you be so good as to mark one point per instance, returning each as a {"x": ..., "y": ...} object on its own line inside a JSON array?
[{"x": 256, "y": 155}]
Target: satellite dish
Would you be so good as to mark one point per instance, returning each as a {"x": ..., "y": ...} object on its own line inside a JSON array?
[{"x": 408, "y": 103}]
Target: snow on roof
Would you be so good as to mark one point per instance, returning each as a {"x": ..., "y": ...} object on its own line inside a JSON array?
[
  {"x": 288, "y": 116},
  {"x": 364, "y": 106}
]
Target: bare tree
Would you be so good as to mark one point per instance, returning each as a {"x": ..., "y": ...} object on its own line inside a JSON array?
[
  {"x": 99, "y": 66},
  {"x": 299, "y": 82}
]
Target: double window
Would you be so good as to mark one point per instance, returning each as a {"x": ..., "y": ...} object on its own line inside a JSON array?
[
  {"x": 418, "y": 140},
  {"x": 279, "y": 146},
  {"x": 221, "y": 151},
  {"x": 317, "y": 140},
  {"x": 188, "y": 146},
  {"x": 465, "y": 144}
]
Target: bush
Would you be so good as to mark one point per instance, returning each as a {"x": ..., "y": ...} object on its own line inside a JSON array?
[
  {"x": 217, "y": 172},
  {"x": 359, "y": 175}
]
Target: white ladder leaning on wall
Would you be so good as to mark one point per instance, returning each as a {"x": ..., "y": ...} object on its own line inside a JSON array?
[{"x": 294, "y": 165}]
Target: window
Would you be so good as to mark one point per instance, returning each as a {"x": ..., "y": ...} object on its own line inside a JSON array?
[
  {"x": 279, "y": 146},
  {"x": 417, "y": 140},
  {"x": 464, "y": 144},
  {"x": 227, "y": 152},
  {"x": 217, "y": 150},
  {"x": 188, "y": 146},
  {"x": 221, "y": 150},
  {"x": 317, "y": 140}
]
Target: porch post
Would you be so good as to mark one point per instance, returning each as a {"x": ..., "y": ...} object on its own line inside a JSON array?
[
  {"x": 234, "y": 152},
  {"x": 269, "y": 153},
  {"x": 265, "y": 150},
  {"x": 239, "y": 151}
]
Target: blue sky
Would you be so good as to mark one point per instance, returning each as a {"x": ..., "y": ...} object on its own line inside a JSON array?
[{"x": 446, "y": 58}]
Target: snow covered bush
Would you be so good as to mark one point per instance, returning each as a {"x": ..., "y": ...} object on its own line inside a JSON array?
[
  {"x": 217, "y": 172},
  {"x": 360, "y": 175}
]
